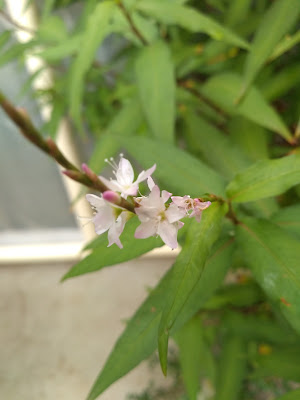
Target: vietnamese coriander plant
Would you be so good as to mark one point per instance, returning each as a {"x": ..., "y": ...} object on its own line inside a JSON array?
[{"x": 203, "y": 99}]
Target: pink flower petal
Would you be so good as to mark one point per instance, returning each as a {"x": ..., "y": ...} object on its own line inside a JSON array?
[
  {"x": 145, "y": 174},
  {"x": 112, "y": 184},
  {"x": 116, "y": 229},
  {"x": 181, "y": 201},
  {"x": 165, "y": 195},
  {"x": 103, "y": 220},
  {"x": 145, "y": 230},
  {"x": 175, "y": 213},
  {"x": 150, "y": 183},
  {"x": 95, "y": 201},
  {"x": 125, "y": 174},
  {"x": 168, "y": 233}
]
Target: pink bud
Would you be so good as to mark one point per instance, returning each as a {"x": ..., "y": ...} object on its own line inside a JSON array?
[
  {"x": 72, "y": 174},
  {"x": 111, "y": 196},
  {"x": 85, "y": 168}
]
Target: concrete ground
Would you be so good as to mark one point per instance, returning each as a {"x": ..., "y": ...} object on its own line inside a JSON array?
[{"x": 55, "y": 337}]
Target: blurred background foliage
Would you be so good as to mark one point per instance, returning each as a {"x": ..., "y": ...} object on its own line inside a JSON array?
[{"x": 212, "y": 83}]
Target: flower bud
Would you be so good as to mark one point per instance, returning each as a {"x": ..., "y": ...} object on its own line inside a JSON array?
[{"x": 111, "y": 196}]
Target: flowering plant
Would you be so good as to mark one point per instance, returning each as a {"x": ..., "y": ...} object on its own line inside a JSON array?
[{"x": 209, "y": 92}]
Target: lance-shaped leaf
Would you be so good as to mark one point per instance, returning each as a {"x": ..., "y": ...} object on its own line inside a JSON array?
[
  {"x": 125, "y": 123},
  {"x": 156, "y": 86},
  {"x": 190, "y": 19},
  {"x": 139, "y": 338},
  {"x": 273, "y": 256},
  {"x": 223, "y": 90},
  {"x": 214, "y": 147},
  {"x": 281, "y": 362},
  {"x": 104, "y": 256},
  {"x": 98, "y": 27},
  {"x": 277, "y": 21},
  {"x": 232, "y": 368},
  {"x": 177, "y": 170},
  {"x": 191, "y": 348},
  {"x": 187, "y": 271},
  {"x": 288, "y": 218},
  {"x": 265, "y": 178},
  {"x": 293, "y": 395}
]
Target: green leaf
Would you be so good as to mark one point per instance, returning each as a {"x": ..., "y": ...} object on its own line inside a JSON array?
[
  {"x": 187, "y": 271},
  {"x": 288, "y": 218},
  {"x": 52, "y": 29},
  {"x": 62, "y": 50},
  {"x": 177, "y": 170},
  {"x": 125, "y": 123},
  {"x": 273, "y": 256},
  {"x": 104, "y": 256},
  {"x": 265, "y": 178},
  {"x": 237, "y": 12},
  {"x": 139, "y": 338},
  {"x": 47, "y": 8},
  {"x": 232, "y": 368},
  {"x": 214, "y": 147},
  {"x": 156, "y": 86},
  {"x": 235, "y": 295},
  {"x": 293, "y": 395},
  {"x": 13, "y": 52},
  {"x": 286, "y": 44},
  {"x": 281, "y": 82},
  {"x": 4, "y": 38},
  {"x": 146, "y": 26},
  {"x": 260, "y": 328},
  {"x": 190, "y": 19},
  {"x": 281, "y": 363},
  {"x": 223, "y": 90},
  {"x": 98, "y": 28},
  {"x": 278, "y": 20},
  {"x": 190, "y": 342},
  {"x": 251, "y": 138}
]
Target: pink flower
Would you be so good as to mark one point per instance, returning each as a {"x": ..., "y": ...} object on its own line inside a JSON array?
[
  {"x": 156, "y": 218},
  {"x": 194, "y": 205},
  {"x": 108, "y": 218},
  {"x": 124, "y": 182}
]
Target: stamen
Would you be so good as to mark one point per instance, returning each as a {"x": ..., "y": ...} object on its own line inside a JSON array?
[{"x": 112, "y": 163}]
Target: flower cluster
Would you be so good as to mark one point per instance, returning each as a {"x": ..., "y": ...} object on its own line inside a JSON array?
[{"x": 158, "y": 215}]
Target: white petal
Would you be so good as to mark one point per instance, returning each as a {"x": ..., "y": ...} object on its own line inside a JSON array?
[
  {"x": 179, "y": 224},
  {"x": 125, "y": 174},
  {"x": 150, "y": 183},
  {"x": 112, "y": 184},
  {"x": 104, "y": 219},
  {"x": 165, "y": 195},
  {"x": 175, "y": 213},
  {"x": 142, "y": 214},
  {"x": 197, "y": 215},
  {"x": 116, "y": 229},
  {"x": 95, "y": 201},
  {"x": 145, "y": 230},
  {"x": 180, "y": 201},
  {"x": 203, "y": 205},
  {"x": 131, "y": 191},
  {"x": 168, "y": 233},
  {"x": 145, "y": 174},
  {"x": 154, "y": 199}
]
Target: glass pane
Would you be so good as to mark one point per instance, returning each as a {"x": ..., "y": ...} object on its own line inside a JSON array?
[{"x": 32, "y": 193}]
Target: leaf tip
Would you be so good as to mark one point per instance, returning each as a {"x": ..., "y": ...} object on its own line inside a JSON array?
[{"x": 163, "y": 351}]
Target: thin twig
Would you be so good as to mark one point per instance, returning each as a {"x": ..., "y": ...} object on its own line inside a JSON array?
[
  {"x": 16, "y": 24},
  {"x": 200, "y": 96},
  {"x": 48, "y": 146},
  {"x": 131, "y": 23}
]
